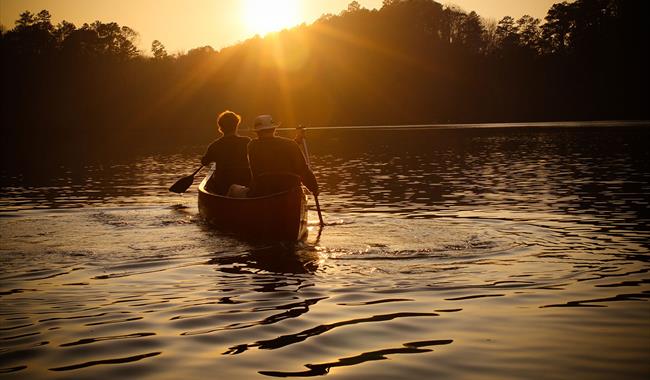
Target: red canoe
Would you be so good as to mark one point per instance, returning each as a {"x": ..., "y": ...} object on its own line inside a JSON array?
[{"x": 278, "y": 217}]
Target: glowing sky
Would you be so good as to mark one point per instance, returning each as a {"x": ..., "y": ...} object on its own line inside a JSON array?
[{"x": 183, "y": 25}]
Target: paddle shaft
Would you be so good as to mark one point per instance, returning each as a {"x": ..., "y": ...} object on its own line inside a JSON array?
[
  {"x": 197, "y": 170},
  {"x": 304, "y": 147}
]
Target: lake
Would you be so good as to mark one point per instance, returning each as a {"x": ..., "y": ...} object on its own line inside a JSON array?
[{"x": 507, "y": 252}]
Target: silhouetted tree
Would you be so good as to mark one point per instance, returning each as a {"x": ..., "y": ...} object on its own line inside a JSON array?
[
  {"x": 529, "y": 32},
  {"x": 114, "y": 40},
  {"x": 558, "y": 27},
  {"x": 32, "y": 35},
  {"x": 507, "y": 33},
  {"x": 63, "y": 31},
  {"x": 354, "y": 6},
  {"x": 158, "y": 50},
  {"x": 472, "y": 32}
]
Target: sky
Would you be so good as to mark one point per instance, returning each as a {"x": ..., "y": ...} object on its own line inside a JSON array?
[{"x": 184, "y": 25}]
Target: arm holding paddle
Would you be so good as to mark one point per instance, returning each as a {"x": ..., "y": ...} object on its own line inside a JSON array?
[{"x": 184, "y": 183}]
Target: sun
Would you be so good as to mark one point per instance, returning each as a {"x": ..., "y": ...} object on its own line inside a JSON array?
[{"x": 265, "y": 16}]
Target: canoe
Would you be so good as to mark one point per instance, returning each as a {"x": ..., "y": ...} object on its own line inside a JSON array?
[{"x": 277, "y": 217}]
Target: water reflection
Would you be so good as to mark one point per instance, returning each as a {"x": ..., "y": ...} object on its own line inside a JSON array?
[
  {"x": 579, "y": 171},
  {"x": 324, "y": 368},
  {"x": 585, "y": 171},
  {"x": 301, "y": 336},
  {"x": 275, "y": 258},
  {"x": 128, "y": 359},
  {"x": 530, "y": 244}
]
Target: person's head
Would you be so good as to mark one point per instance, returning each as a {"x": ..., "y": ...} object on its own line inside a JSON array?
[
  {"x": 228, "y": 122},
  {"x": 264, "y": 125}
]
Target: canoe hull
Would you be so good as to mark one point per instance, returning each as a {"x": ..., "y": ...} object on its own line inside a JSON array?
[{"x": 278, "y": 217}]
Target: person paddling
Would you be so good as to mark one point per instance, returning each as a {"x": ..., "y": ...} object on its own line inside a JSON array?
[
  {"x": 229, "y": 153},
  {"x": 276, "y": 163}
]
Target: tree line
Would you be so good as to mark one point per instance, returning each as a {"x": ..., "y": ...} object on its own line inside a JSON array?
[{"x": 411, "y": 61}]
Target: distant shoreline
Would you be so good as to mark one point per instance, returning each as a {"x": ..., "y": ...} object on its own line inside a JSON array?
[{"x": 532, "y": 124}]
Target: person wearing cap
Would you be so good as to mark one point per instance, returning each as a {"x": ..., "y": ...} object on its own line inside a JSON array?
[
  {"x": 229, "y": 153},
  {"x": 276, "y": 162}
]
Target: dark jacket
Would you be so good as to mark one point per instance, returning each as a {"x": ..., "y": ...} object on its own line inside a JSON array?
[
  {"x": 278, "y": 157},
  {"x": 229, "y": 154}
]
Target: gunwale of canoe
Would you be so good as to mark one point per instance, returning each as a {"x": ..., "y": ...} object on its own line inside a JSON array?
[{"x": 278, "y": 217}]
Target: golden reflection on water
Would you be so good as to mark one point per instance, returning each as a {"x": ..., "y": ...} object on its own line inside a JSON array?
[{"x": 513, "y": 254}]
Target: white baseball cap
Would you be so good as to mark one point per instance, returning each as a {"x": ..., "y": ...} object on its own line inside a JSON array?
[{"x": 264, "y": 122}]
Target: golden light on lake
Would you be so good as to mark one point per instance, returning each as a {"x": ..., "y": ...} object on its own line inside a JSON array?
[{"x": 264, "y": 16}]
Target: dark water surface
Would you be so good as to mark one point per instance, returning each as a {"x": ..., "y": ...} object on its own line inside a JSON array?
[{"x": 475, "y": 253}]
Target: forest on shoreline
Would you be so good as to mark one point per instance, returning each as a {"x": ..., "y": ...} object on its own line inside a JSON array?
[{"x": 412, "y": 61}]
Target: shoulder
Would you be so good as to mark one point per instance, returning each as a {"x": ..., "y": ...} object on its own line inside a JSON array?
[
  {"x": 275, "y": 142},
  {"x": 230, "y": 140},
  {"x": 289, "y": 146},
  {"x": 218, "y": 144},
  {"x": 214, "y": 144}
]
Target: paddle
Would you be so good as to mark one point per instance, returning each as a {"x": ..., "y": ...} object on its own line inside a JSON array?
[
  {"x": 320, "y": 216},
  {"x": 184, "y": 183},
  {"x": 304, "y": 147}
]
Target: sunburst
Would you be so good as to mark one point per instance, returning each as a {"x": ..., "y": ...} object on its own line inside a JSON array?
[{"x": 265, "y": 16}]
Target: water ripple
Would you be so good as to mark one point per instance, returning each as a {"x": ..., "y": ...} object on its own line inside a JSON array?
[
  {"x": 295, "y": 310},
  {"x": 103, "y": 338},
  {"x": 590, "y": 303},
  {"x": 286, "y": 340},
  {"x": 324, "y": 368},
  {"x": 12, "y": 369},
  {"x": 128, "y": 359}
]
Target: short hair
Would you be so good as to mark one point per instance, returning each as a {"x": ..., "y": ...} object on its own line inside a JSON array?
[{"x": 228, "y": 121}]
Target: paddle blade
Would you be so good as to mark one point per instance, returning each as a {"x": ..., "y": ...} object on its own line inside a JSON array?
[{"x": 182, "y": 184}]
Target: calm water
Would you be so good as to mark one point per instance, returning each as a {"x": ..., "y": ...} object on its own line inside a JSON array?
[{"x": 479, "y": 253}]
